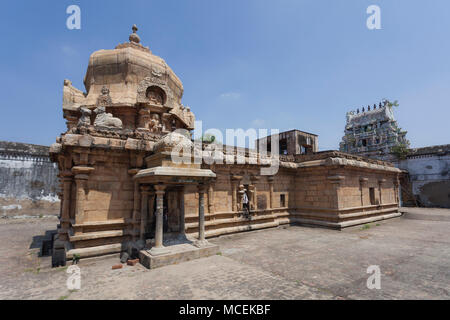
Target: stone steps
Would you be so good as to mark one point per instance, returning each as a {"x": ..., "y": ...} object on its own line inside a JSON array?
[
  {"x": 247, "y": 227},
  {"x": 97, "y": 235},
  {"x": 343, "y": 224},
  {"x": 215, "y": 227},
  {"x": 95, "y": 251}
]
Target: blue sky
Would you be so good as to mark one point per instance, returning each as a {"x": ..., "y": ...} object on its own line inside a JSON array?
[{"x": 249, "y": 63}]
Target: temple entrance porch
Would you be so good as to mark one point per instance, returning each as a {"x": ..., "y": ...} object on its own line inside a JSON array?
[
  {"x": 172, "y": 213},
  {"x": 162, "y": 218}
]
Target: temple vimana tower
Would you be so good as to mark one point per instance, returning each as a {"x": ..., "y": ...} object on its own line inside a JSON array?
[
  {"x": 121, "y": 191},
  {"x": 372, "y": 133}
]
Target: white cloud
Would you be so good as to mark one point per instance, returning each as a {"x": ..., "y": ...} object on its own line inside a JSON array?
[{"x": 230, "y": 95}]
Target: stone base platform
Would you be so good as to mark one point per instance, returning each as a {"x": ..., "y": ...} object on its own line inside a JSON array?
[
  {"x": 343, "y": 224},
  {"x": 176, "y": 253}
]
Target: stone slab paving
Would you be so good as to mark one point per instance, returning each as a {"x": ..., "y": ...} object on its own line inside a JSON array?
[
  {"x": 283, "y": 263},
  {"x": 435, "y": 214}
]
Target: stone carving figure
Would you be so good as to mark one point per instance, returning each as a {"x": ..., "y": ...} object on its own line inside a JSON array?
[
  {"x": 144, "y": 118},
  {"x": 104, "y": 119},
  {"x": 85, "y": 119},
  {"x": 155, "y": 96},
  {"x": 188, "y": 117},
  {"x": 104, "y": 99},
  {"x": 155, "y": 123},
  {"x": 166, "y": 121},
  {"x": 350, "y": 115}
]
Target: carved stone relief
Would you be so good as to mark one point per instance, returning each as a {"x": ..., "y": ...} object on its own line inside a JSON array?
[
  {"x": 104, "y": 119},
  {"x": 104, "y": 99}
]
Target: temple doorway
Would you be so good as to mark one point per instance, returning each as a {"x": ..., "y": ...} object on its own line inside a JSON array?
[{"x": 171, "y": 213}]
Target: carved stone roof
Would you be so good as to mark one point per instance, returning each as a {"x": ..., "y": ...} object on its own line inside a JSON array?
[
  {"x": 368, "y": 117},
  {"x": 172, "y": 140},
  {"x": 126, "y": 72},
  {"x": 123, "y": 69}
]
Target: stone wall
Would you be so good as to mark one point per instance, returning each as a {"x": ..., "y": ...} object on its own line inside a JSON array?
[
  {"x": 28, "y": 180},
  {"x": 338, "y": 197},
  {"x": 429, "y": 175}
]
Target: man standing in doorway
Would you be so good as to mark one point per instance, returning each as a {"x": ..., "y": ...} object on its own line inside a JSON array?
[{"x": 245, "y": 203}]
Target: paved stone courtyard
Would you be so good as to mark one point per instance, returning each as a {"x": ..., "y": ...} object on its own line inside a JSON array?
[{"x": 285, "y": 263}]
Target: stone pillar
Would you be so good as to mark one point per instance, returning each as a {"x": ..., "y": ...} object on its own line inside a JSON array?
[
  {"x": 211, "y": 208},
  {"x": 136, "y": 210},
  {"x": 270, "y": 181},
  {"x": 80, "y": 184},
  {"x": 144, "y": 211},
  {"x": 252, "y": 187},
  {"x": 182, "y": 219},
  {"x": 81, "y": 177},
  {"x": 65, "y": 205},
  {"x": 201, "y": 216},
  {"x": 151, "y": 210},
  {"x": 135, "y": 220},
  {"x": 240, "y": 195},
  {"x": 235, "y": 180},
  {"x": 233, "y": 196},
  {"x": 397, "y": 191},
  {"x": 159, "y": 248},
  {"x": 362, "y": 186},
  {"x": 255, "y": 180},
  {"x": 380, "y": 184},
  {"x": 60, "y": 195},
  {"x": 336, "y": 182}
]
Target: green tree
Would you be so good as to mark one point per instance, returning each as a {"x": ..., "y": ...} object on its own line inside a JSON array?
[
  {"x": 391, "y": 104},
  {"x": 401, "y": 150}
]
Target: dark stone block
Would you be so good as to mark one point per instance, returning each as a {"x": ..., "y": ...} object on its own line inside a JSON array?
[
  {"x": 58, "y": 257},
  {"x": 134, "y": 253},
  {"x": 124, "y": 257},
  {"x": 46, "y": 248}
]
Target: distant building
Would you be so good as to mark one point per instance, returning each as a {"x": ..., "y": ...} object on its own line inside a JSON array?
[
  {"x": 372, "y": 133},
  {"x": 429, "y": 176},
  {"x": 292, "y": 142}
]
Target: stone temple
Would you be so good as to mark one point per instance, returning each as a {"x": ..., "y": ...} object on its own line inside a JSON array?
[
  {"x": 372, "y": 133},
  {"x": 122, "y": 191}
]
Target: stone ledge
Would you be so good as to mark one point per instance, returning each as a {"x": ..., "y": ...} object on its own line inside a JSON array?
[
  {"x": 344, "y": 224},
  {"x": 101, "y": 223},
  {"x": 97, "y": 235},
  {"x": 95, "y": 251},
  {"x": 236, "y": 220},
  {"x": 178, "y": 253},
  {"x": 240, "y": 228}
]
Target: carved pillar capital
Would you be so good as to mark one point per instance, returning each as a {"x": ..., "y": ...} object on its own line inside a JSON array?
[
  {"x": 82, "y": 171},
  {"x": 202, "y": 188},
  {"x": 159, "y": 189},
  {"x": 132, "y": 172},
  {"x": 145, "y": 189},
  {"x": 363, "y": 180},
  {"x": 336, "y": 179}
]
